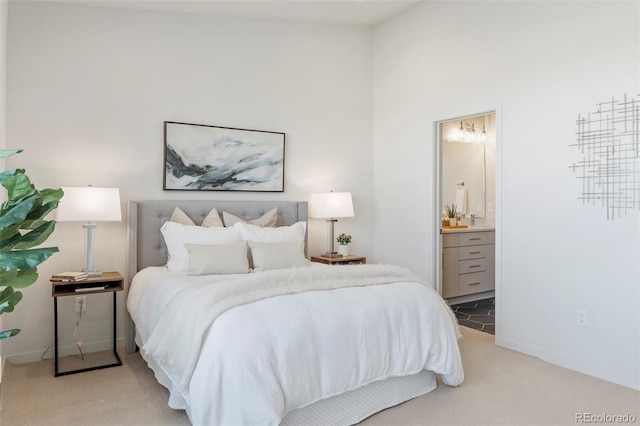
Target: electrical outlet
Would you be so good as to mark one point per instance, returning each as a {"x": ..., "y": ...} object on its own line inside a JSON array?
[
  {"x": 490, "y": 207},
  {"x": 480, "y": 207},
  {"x": 81, "y": 303},
  {"x": 581, "y": 317}
]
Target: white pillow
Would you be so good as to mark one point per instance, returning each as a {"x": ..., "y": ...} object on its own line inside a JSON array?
[
  {"x": 269, "y": 219},
  {"x": 289, "y": 254},
  {"x": 212, "y": 219},
  {"x": 218, "y": 259},
  {"x": 177, "y": 235},
  {"x": 280, "y": 234}
]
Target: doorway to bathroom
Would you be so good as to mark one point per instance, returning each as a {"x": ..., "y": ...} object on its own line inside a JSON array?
[{"x": 465, "y": 176}]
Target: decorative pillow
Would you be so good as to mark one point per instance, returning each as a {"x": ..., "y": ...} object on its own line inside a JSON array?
[
  {"x": 212, "y": 219},
  {"x": 181, "y": 217},
  {"x": 280, "y": 234},
  {"x": 177, "y": 235},
  {"x": 268, "y": 219},
  {"x": 289, "y": 254},
  {"x": 218, "y": 259}
]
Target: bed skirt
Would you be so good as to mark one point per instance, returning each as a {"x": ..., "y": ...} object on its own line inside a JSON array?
[{"x": 352, "y": 407}]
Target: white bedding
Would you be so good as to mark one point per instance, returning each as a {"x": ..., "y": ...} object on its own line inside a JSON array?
[{"x": 261, "y": 359}]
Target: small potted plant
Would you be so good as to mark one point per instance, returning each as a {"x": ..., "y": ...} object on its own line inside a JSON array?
[
  {"x": 343, "y": 240},
  {"x": 451, "y": 214}
]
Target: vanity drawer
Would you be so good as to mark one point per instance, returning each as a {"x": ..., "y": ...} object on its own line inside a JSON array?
[
  {"x": 472, "y": 283},
  {"x": 449, "y": 240},
  {"x": 472, "y": 252},
  {"x": 472, "y": 238},
  {"x": 473, "y": 265},
  {"x": 491, "y": 237}
]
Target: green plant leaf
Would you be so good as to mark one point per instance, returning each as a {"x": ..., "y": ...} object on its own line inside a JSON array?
[
  {"x": 24, "y": 278},
  {"x": 39, "y": 212},
  {"x": 17, "y": 214},
  {"x": 7, "y": 244},
  {"x": 344, "y": 238},
  {"x": 10, "y": 173},
  {"x": 25, "y": 259},
  {"x": 7, "y": 275},
  {"x": 9, "y": 333},
  {"x": 18, "y": 186},
  {"x": 4, "y": 153},
  {"x": 33, "y": 238},
  {"x": 9, "y": 298},
  {"x": 9, "y": 232},
  {"x": 49, "y": 195}
]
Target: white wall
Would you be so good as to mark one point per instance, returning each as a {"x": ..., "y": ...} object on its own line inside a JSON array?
[
  {"x": 538, "y": 64},
  {"x": 89, "y": 89}
]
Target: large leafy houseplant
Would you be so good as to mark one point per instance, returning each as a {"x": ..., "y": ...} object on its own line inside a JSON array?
[{"x": 22, "y": 228}]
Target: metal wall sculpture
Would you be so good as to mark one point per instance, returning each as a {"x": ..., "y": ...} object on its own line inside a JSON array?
[{"x": 610, "y": 167}]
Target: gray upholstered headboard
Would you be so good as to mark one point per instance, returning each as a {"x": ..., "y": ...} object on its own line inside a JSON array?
[{"x": 146, "y": 245}]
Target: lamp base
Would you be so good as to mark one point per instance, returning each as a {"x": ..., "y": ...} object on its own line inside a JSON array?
[
  {"x": 331, "y": 255},
  {"x": 92, "y": 272},
  {"x": 89, "y": 269}
]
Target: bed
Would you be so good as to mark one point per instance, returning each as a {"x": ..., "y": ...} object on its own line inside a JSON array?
[{"x": 288, "y": 343}]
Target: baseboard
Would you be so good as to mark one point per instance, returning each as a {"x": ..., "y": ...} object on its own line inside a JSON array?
[
  {"x": 622, "y": 378},
  {"x": 33, "y": 356}
]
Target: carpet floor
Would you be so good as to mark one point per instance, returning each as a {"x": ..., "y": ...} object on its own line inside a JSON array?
[{"x": 501, "y": 387}]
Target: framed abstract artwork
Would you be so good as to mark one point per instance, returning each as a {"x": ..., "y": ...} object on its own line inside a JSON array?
[{"x": 200, "y": 157}]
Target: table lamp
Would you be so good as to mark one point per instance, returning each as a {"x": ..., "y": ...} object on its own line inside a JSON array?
[
  {"x": 331, "y": 206},
  {"x": 89, "y": 204}
]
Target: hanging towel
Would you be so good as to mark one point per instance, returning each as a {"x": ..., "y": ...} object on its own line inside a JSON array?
[{"x": 462, "y": 201}]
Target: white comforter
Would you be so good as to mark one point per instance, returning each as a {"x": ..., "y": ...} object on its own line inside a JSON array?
[{"x": 254, "y": 362}]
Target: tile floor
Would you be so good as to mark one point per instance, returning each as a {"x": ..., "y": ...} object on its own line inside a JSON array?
[{"x": 479, "y": 315}]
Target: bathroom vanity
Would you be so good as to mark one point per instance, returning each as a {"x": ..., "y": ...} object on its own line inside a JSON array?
[{"x": 468, "y": 263}]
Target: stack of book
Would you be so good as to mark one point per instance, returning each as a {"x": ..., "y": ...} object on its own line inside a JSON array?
[{"x": 69, "y": 277}]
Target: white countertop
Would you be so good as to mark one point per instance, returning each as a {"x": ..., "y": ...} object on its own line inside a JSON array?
[{"x": 474, "y": 228}]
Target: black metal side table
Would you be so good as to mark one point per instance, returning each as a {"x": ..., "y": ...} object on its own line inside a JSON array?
[{"x": 108, "y": 282}]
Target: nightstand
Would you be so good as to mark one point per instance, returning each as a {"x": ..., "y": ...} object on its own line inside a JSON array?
[
  {"x": 108, "y": 282},
  {"x": 344, "y": 260}
]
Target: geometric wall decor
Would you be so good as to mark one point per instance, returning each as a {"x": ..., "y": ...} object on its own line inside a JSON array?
[{"x": 609, "y": 140}]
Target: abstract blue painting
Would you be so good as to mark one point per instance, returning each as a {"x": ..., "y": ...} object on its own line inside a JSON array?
[{"x": 200, "y": 157}]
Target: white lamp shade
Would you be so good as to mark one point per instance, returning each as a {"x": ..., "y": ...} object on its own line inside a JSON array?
[
  {"x": 331, "y": 205},
  {"x": 89, "y": 204}
]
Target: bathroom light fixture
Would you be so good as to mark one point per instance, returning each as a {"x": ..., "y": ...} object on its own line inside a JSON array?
[{"x": 467, "y": 132}]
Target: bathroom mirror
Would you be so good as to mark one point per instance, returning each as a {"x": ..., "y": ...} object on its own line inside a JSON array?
[
  {"x": 466, "y": 144},
  {"x": 463, "y": 169}
]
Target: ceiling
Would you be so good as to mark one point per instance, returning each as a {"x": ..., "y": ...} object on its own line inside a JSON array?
[{"x": 353, "y": 12}]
